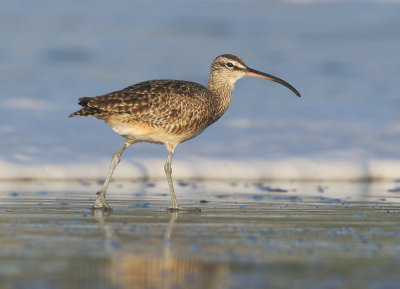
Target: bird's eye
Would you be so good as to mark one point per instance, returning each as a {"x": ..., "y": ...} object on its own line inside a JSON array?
[{"x": 229, "y": 64}]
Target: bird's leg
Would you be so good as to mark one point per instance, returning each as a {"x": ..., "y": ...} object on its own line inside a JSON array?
[
  {"x": 168, "y": 172},
  {"x": 101, "y": 203}
]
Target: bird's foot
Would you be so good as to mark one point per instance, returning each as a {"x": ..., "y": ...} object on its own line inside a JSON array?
[
  {"x": 180, "y": 209},
  {"x": 100, "y": 203}
]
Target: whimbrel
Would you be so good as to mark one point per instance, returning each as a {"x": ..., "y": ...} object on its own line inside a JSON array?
[{"x": 168, "y": 111}]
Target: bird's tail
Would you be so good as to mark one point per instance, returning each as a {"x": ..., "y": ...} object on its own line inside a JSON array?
[{"x": 86, "y": 110}]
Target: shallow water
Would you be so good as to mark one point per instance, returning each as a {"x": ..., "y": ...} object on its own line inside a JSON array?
[{"x": 253, "y": 235}]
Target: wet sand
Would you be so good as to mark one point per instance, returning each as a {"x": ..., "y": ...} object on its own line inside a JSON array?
[{"x": 248, "y": 235}]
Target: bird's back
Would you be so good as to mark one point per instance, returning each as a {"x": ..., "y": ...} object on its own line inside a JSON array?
[{"x": 154, "y": 109}]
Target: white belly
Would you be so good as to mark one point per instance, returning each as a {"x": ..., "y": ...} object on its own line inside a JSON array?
[{"x": 148, "y": 134}]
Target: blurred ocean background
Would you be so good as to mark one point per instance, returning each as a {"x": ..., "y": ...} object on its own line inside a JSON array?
[{"x": 343, "y": 57}]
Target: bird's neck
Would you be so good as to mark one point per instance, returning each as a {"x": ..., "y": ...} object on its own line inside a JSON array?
[{"x": 222, "y": 95}]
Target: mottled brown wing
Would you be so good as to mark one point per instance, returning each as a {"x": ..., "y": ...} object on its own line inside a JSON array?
[
  {"x": 174, "y": 105},
  {"x": 158, "y": 98},
  {"x": 132, "y": 99}
]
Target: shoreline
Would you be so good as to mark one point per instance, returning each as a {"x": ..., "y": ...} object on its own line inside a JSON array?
[{"x": 209, "y": 169}]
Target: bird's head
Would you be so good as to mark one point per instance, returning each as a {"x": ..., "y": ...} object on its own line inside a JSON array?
[{"x": 230, "y": 68}]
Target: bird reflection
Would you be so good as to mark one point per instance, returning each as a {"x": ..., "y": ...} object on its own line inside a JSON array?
[{"x": 157, "y": 266}]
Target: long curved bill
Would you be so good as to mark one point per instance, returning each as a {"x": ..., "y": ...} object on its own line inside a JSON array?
[{"x": 255, "y": 73}]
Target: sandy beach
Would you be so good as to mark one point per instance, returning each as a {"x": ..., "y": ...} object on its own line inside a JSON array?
[{"x": 248, "y": 234}]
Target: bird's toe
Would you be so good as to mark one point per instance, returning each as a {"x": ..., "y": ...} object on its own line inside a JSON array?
[{"x": 100, "y": 203}]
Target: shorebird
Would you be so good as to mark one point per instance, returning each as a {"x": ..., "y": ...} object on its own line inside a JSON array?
[{"x": 168, "y": 111}]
